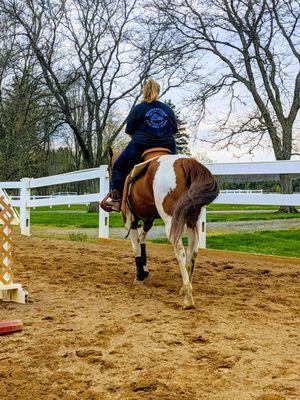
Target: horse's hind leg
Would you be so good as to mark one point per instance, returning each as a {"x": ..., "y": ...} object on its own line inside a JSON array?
[
  {"x": 192, "y": 250},
  {"x": 147, "y": 225},
  {"x": 179, "y": 252},
  {"x": 191, "y": 253}
]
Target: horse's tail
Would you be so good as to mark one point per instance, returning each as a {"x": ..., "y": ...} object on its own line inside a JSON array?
[{"x": 202, "y": 189}]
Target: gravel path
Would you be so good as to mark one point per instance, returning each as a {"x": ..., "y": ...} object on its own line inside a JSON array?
[
  {"x": 225, "y": 227},
  {"x": 159, "y": 231}
]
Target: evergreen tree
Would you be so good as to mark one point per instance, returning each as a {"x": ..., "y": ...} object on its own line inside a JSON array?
[{"x": 182, "y": 136}]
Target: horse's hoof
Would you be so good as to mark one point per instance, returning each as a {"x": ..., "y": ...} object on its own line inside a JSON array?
[
  {"x": 189, "y": 303},
  {"x": 146, "y": 274},
  {"x": 142, "y": 276},
  {"x": 189, "y": 307},
  {"x": 138, "y": 282}
]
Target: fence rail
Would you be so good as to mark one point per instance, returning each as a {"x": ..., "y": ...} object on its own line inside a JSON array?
[
  {"x": 70, "y": 177},
  {"x": 11, "y": 185},
  {"x": 266, "y": 199},
  {"x": 25, "y": 202},
  {"x": 256, "y": 168}
]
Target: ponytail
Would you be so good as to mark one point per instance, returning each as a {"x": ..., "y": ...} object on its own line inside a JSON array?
[{"x": 150, "y": 91}]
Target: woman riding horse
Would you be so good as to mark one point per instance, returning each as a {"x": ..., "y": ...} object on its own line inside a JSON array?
[
  {"x": 150, "y": 124},
  {"x": 173, "y": 187}
]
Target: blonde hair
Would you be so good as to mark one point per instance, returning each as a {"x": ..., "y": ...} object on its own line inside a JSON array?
[{"x": 150, "y": 91}]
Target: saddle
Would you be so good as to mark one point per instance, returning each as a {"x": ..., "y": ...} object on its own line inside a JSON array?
[{"x": 139, "y": 170}]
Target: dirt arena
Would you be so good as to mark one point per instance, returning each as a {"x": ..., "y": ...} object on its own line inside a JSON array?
[{"x": 90, "y": 334}]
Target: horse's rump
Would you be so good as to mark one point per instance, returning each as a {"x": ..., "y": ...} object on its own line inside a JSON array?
[{"x": 181, "y": 192}]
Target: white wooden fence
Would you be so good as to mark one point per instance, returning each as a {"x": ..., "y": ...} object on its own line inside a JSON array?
[
  {"x": 25, "y": 202},
  {"x": 252, "y": 168}
]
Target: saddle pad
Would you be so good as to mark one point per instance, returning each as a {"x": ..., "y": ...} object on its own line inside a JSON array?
[
  {"x": 135, "y": 173},
  {"x": 139, "y": 168}
]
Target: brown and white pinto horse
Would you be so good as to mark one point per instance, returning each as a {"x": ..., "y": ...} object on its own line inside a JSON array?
[{"x": 174, "y": 188}]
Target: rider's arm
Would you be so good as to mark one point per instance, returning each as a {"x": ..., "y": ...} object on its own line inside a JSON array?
[
  {"x": 175, "y": 127},
  {"x": 131, "y": 122}
]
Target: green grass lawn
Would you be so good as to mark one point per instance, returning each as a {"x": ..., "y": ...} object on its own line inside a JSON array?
[
  {"x": 282, "y": 243},
  {"x": 233, "y": 207},
  {"x": 211, "y": 207},
  {"x": 73, "y": 207},
  {"x": 65, "y": 219},
  {"x": 248, "y": 217},
  {"x": 83, "y": 219},
  {"x": 279, "y": 243}
]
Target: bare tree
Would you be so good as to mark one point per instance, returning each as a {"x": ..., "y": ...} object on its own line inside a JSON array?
[
  {"x": 27, "y": 120},
  {"x": 250, "y": 50},
  {"x": 7, "y": 57},
  {"x": 90, "y": 47}
]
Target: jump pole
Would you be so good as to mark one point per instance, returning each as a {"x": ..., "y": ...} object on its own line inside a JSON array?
[{"x": 9, "y": 291}]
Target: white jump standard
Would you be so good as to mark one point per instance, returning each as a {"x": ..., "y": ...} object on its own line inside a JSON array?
[{"x": 9, "y": 291}]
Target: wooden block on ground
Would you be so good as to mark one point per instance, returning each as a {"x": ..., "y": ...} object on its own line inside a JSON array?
[{"x": 13, "y": 292}]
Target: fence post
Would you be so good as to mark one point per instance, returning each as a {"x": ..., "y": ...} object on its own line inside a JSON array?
[
  {"x": 103, "y": 190},
  {"x": 202, "y": 229},
  {"x": 24, "y": 209}
]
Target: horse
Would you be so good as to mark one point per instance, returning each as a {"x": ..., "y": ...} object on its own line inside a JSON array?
[{"x": 173, "y": 188}]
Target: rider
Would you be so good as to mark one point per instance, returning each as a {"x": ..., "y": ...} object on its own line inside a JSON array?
[{"x": 149, "y": 124}]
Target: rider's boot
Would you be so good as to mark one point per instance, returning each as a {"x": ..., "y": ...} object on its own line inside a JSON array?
[{"x": 114, "y": 201}]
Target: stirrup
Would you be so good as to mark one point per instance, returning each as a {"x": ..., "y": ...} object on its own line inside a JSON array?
[
  {"x": 109, "y": 208},
  {"x": 114, "y": 205}
]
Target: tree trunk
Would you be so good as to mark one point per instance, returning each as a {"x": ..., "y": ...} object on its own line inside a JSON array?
[
  {"x": 94, "y": 207},
  {"x": 286, "y": 184},
  {"x": 94, "y": 188}
]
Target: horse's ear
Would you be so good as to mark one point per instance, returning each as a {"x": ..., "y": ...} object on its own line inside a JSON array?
[{"x": 110, "y": 152}]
